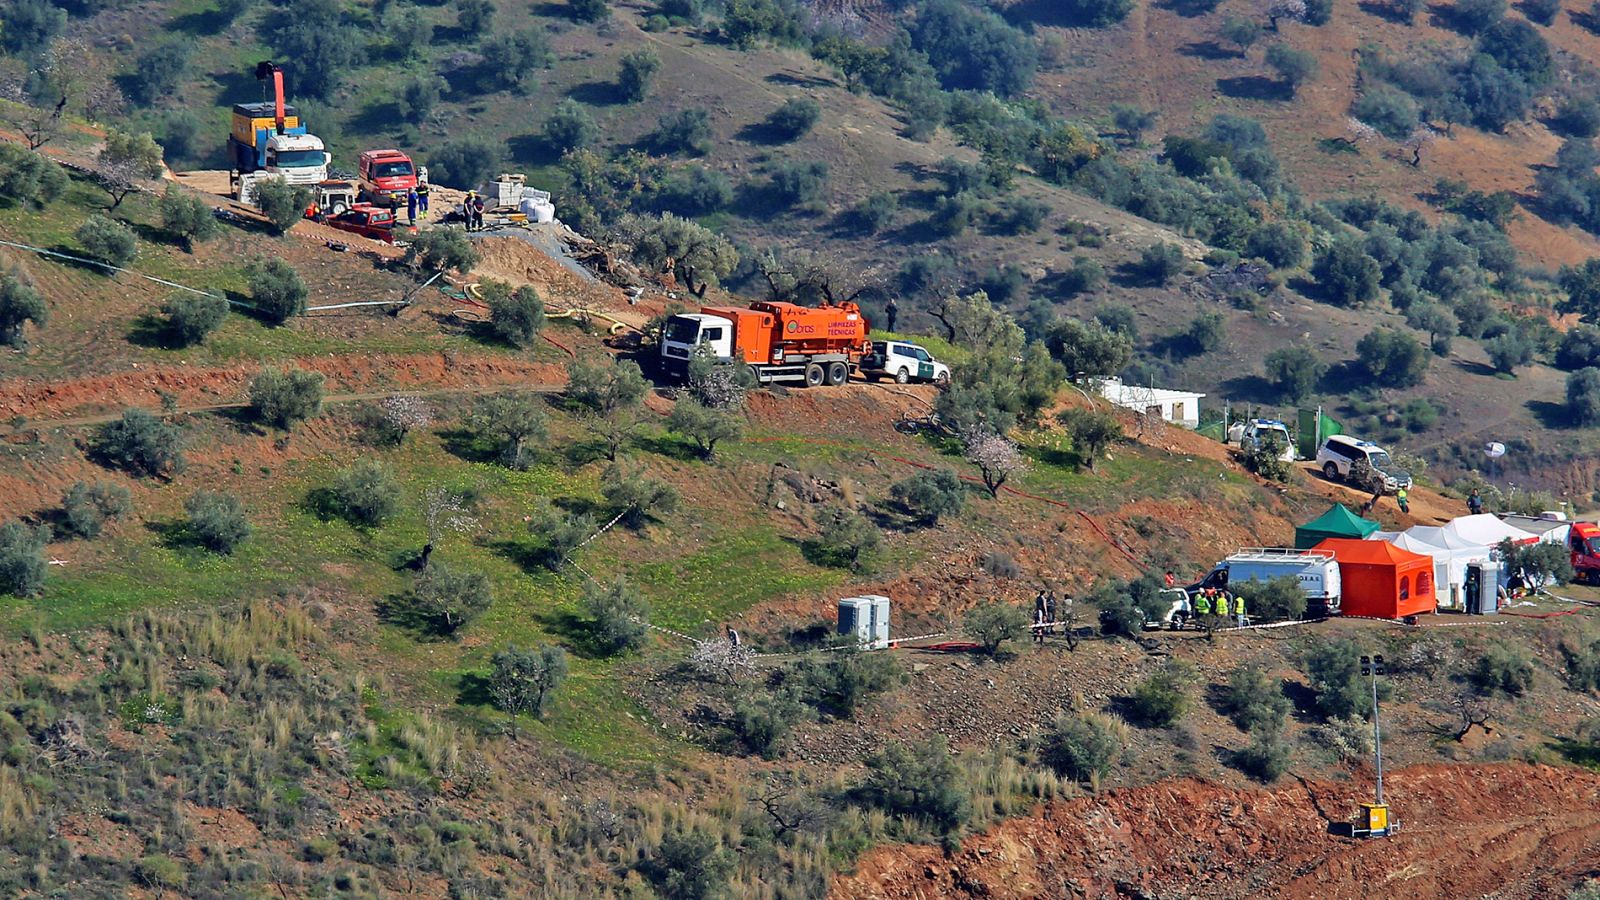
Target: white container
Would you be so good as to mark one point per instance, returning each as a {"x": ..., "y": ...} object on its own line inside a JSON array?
[{"x": 867, "y": 618}]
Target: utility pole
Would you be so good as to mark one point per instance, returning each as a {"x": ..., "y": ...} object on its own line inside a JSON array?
[{"x": 1374, "y": 819}]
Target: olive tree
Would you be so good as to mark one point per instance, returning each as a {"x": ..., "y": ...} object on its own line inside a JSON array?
[
  {"x": 283, "y": 398},
  {"x": 20, "y": 303},
  {"x": 523, "y": 681},
  {"x": 688, "y": 250}
]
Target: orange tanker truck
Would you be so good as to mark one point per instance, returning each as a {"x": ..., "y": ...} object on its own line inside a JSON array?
[{"x": 777, "y": 341}]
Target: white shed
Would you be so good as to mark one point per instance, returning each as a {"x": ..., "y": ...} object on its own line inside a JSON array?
[{"x": 1177, "y": 407}]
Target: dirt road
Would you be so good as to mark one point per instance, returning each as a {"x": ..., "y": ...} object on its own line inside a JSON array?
[{"x": 1466, "y": 831}]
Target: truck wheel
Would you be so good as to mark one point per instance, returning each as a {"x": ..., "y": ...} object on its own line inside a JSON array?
[
  {"x": 1330, "y": 471},
  {"x": 902, "y": 376},
  {"x": 815, "y": 376},
  {"x": 755, "y": 375},
  {"x": 838, "y": 373}
]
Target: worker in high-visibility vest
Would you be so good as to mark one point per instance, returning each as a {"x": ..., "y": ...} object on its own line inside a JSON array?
[
  {"x": 1238, "y": 610},
  {"x": 1222, "y": 606},
  {"x": 1400, "y": 496},
  {"x": 1202, "y": 604}
]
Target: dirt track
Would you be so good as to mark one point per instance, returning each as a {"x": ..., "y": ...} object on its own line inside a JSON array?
[{"x": 1507, "y": 831}]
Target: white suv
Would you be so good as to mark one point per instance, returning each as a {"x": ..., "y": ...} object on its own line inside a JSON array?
[
  {"x": 903, "y": 362},
  {"x": 1339, "y": 453}
]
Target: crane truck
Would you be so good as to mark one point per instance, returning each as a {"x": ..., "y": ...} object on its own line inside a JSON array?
[
  {"x": 269, "y": 140},
  {"x": 776, "y": 341}
]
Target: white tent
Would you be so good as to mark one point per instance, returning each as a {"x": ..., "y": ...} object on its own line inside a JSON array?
[
  {"x": 1451, "y": 555},
  {"x": 1485, "y": 530}
]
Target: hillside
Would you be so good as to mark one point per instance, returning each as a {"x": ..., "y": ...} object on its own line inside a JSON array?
[
  {"x": 302, "y": 599},
  {"x": 1167, "y": 59}
]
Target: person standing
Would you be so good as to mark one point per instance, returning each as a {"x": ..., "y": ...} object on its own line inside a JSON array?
[
  {"x": 1050, "y": 613},
  {"x": 477, "y": 213},
  {"x": 411, "y": 207},
  {"x": 1238, "y": 610},
  {"x": 1038, "y": 624},
  {"x": 1221, "y": 607},
  {"x": 891, "y": 312},
  {"x": 1202, "y": 607},
  {"x": 1475, "y": 503},
  {"x": 1170, "y": 578},
  {"x": 1400, "y": 496},
  {"x": 422, "y": 198}
]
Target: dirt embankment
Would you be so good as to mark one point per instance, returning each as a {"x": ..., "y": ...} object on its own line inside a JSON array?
[
  {"x": 194, "y": 386},
  {"x": 1493, "y": 830}
]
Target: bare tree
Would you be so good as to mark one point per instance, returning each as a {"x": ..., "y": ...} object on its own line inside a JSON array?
[
  {"x": 43, "y": 95},
  {"x": 789, "y": 808},
  {"x": 1472, "y": 711},
  {"x": 722, "y": 660},
  {"x": 1357, "y": 131},
  {"x": 1414, "y": 144},
  {"x": 996, "y": 456},
  {"x": 405, "y": 413},
  {"x": 1294, "y": 10},
  {"x": 443, "y": 511}
]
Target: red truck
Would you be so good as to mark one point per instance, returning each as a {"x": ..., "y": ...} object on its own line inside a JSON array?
[
  {"x": 1583, "y": 539},
  {"x": 386, "y": 176},
  {"x": 777, "y": 341}
]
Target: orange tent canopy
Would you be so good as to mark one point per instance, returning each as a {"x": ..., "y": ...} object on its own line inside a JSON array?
[{"x": 1381, "y": 580}]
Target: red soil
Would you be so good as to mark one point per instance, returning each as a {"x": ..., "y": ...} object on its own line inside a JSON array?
[{"x": 1500, "y": 830}]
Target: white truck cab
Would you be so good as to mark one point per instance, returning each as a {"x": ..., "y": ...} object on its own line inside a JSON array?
[
  {"x": 904, "y": 362},
  {"x": 297, "y": 158},
  {"x": 1246, "y": 434},
  {"x": 686, "y": 331}
]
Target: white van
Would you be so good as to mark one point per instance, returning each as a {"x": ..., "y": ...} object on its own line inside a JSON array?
[{"x": 1316, "y": 570}]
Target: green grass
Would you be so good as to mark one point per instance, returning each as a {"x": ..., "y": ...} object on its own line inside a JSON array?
[
  {"x": 1131, "y": 471},
  {"x": 739, "y": 567},
  {"x": 692, "y": 575}
]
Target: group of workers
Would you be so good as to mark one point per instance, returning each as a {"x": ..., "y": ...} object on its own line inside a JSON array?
[
  {"x": 1217, "y": 602},
  {"x": 1046, "y": 610},
  {"x": 417, "y": 202}
]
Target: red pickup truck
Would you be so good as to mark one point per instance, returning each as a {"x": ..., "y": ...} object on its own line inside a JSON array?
[{"x": 368, "y": 221}]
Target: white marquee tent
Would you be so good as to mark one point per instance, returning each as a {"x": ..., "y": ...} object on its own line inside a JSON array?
[
  {"x": 1450, "y": 553},
  {"x": 1485, "y": 530}
]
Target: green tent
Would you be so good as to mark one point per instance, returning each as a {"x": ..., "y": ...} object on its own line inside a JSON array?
[{"x": 1337, "y": 522}]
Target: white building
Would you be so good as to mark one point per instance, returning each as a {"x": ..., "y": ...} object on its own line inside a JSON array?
[{"x": 1177, "y": 407}]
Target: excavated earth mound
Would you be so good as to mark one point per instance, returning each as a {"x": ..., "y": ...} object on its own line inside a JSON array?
[{"x": 1504, "y": 831}]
